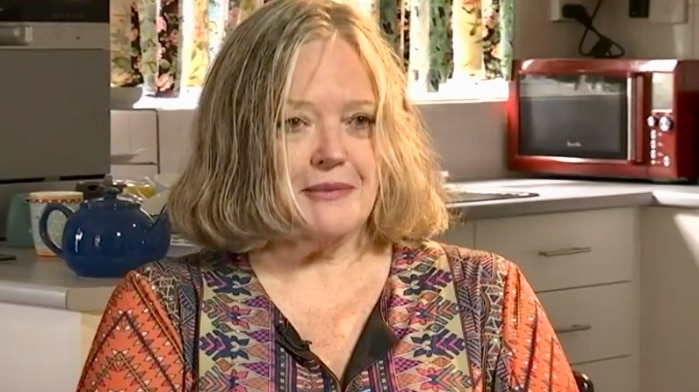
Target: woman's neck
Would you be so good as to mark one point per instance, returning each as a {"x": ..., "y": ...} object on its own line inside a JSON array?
[{"x": 296, "y": 256}]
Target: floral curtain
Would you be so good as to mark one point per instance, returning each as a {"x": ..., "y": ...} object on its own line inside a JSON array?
[{"x": 165, "y": 45}]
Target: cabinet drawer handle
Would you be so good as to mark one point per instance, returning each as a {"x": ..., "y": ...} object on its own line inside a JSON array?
[
  {"x": 573, "y": 328},
  {"x": 564, "y": 252}
]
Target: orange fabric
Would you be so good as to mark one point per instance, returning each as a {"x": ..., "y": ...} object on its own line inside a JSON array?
[
  {"x": 537, "y": 362},
  {"x": 136, "y": 347}
]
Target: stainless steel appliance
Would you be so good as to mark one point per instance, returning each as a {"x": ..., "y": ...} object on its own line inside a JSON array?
[{"x": 54, "y": 95}]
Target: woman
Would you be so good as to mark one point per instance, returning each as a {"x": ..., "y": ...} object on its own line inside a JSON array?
[{"x": 314, "y": 191}]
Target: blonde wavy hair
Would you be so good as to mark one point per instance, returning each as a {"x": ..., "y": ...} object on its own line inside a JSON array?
[{"x": 228, "y": 197}]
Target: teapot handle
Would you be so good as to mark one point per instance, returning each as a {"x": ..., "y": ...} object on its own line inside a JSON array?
[{"x": 43, "y": 226}]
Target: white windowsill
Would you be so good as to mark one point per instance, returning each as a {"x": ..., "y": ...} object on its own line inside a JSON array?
[
  {"x": 463, "y": 92},
  {"x": 188, "y": 99},
  {"x": 453, "y": 92}
]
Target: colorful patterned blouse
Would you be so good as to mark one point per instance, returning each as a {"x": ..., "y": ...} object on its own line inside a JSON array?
[{"x": 450, "y": 319}]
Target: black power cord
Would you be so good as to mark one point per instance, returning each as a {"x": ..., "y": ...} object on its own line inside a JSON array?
[{"x": 605, "y": 47}]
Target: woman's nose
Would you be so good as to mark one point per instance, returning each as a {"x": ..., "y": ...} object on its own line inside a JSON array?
[{"x": 330, "y": 150}]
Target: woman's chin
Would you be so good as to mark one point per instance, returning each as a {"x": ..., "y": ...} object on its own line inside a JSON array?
[
  {"x": 335, "y": 221},
  {"x": 334, "y": 230}
]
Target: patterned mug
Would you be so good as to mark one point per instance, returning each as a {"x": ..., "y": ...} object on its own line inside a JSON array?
[{"x": 37, "y": 204}]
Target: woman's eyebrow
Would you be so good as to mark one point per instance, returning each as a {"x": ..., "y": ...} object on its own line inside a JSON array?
[{"x": 355, "y": 103}]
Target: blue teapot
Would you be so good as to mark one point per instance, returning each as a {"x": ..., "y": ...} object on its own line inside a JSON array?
[{"x": 108, "y": 237}]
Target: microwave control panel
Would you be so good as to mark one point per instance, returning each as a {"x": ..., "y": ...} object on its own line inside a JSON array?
[{"x": 660, "y": 125}]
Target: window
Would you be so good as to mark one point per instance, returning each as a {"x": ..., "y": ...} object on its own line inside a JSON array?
[{"x": 477, "y": 35}]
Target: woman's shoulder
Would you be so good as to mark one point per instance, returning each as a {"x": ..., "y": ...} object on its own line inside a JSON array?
[
  {"x": 179, "y": 269},
  {"x": 177, "y": 281},
  {"x": 471, "y": 266}
]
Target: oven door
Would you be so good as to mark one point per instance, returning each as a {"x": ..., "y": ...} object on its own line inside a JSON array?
[
  {"x": 54, "y": 89},
  {"x": 579, "y": 116}
]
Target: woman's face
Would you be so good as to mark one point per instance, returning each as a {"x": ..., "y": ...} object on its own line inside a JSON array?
[{"x": 330, "y": 118}]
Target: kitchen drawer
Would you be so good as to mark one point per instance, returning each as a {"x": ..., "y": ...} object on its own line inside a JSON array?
[
  {"x": 459, "y": 233},
  {"x": 595, "y": 323},
  {"x": 557, "y": 251},
  {"x": 613, "y": 375}
]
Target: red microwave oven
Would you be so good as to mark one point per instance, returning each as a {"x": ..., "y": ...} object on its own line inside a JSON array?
[{"x": 606, "y": 118}]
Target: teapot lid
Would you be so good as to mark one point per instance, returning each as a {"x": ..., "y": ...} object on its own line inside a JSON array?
[{"x": 110, "y": 200}]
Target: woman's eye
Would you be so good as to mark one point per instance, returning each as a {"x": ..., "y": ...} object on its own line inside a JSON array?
[
  {"x": 294, "y": 124},
  {"x": 362, "y": 121}
]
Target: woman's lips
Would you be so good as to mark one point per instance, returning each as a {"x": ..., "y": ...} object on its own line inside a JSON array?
[{"x": 328, "y": 191}]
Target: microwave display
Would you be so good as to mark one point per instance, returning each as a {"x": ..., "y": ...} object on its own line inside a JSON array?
[
  {"x": 662, "y": 93},
  {"x": 575, "y": 116}
]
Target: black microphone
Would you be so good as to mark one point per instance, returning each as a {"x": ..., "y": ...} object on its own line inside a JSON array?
[{"x": 290, "y": 339}]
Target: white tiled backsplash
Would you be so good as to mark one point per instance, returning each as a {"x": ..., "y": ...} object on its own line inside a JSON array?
[
  {"x": 134, "y": 133},
  {"x": 469, "y": 138},
  {"x": 168, "y": 134}
]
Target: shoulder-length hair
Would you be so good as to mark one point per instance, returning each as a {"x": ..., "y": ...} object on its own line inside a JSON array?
[{"x": 228, "y": 196}]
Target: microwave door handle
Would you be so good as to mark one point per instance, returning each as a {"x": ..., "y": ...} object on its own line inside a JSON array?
[
  {"x": 630, "y": 118},
  {"x": 632, "y": 86}
]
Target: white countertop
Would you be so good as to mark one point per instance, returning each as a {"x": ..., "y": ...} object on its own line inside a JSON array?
[
  {"x": 565, "y": 195},
  {"x": 47, "y": 282}
]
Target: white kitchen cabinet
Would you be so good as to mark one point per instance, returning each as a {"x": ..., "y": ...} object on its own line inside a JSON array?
[
  {"x": 584, "y": 267},
  {"x": 43, "y": 349},
  {"x": 565, "y": 250},
  {"x": 461, "y": 233},
  {"x": 611, "y": 375},
  {"x": 596, "y": 322},
  {"x": 670, "y": 299}
]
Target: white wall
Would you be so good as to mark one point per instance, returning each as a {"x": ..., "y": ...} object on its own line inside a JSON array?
[
  {"x": 644, "y": 39},
  {"x": 536, "y": 36},
  {"x": 469, "y": 138}
]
